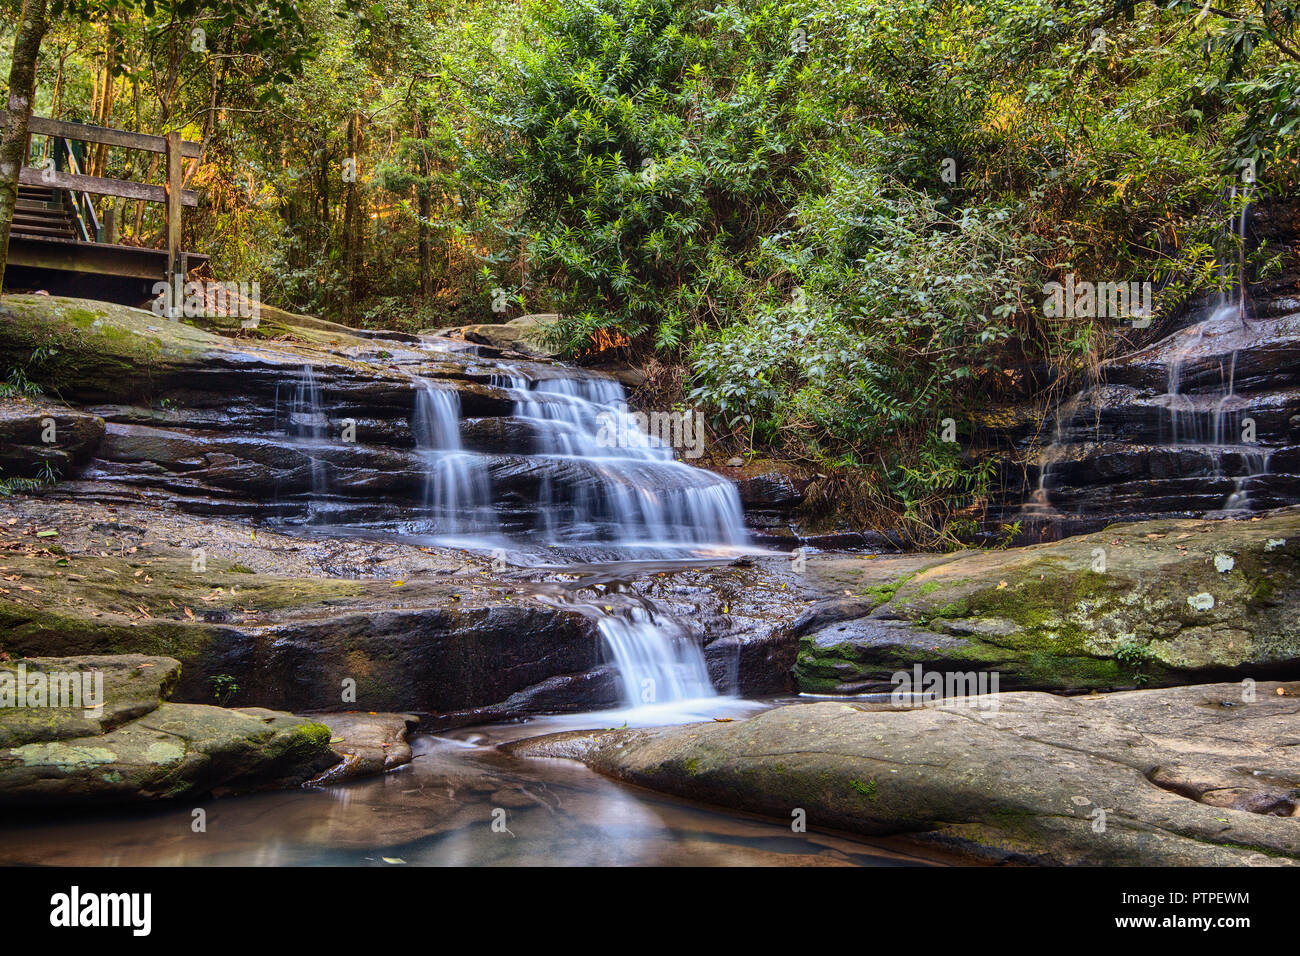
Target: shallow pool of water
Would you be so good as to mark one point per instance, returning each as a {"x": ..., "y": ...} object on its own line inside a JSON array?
[{"x": 461, "y": 801}]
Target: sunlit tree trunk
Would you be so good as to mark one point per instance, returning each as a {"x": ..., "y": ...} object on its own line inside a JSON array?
[
  {"x": 423, "y": 189},
  {"x": 13, "y": 141},
  {"x": 352, "y": 220}
]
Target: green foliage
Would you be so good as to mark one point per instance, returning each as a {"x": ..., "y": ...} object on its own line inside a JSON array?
[
  {"x": 18, "y": 385},
  {"x": 842, "y": 216},
  {"x": 46, "y": 475},
  {"x": 867, "y": 789},
  {"x": 224, "y": 688},
  {"x": 1135, "y": 656},
  {"x": 650, "y": 144}
]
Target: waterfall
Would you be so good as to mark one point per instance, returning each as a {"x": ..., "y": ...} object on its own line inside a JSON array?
[
  {"x": 1200, "y": 419},
  {"x": 656, "y": 662},
  {"x": 602, "y": 480},
  {"x": 1215, "y": 420},
  {"x": 307, "y": 423},
  {"x": 457, "y": 486},
  {"x": 630, "y": 490}
]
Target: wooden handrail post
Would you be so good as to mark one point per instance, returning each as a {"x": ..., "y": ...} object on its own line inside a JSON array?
[{"x": 174, "y": 283}]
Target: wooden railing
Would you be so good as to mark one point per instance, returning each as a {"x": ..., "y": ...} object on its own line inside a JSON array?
[{"x": 81, "y": 186}]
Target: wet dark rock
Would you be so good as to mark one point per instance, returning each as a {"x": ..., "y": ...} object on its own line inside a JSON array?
[
  {"x": 875, "y": 541},
  {"x": 500, "y": 435},
  {"x": 596, "y": 689},
  {"x": 1198, "y": 423},
  {"x": 24, "y": 427},
  {"x": 772, "y": 491}
]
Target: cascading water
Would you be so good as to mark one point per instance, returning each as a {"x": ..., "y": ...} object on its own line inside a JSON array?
[
  {"x": 1216, "y": 420},
  {"x": 661, "y": 668},
  {"x": 657, "y": 663},
  {"x": 628, "y": 487},
  {"x": 306, "y": 422},
  {"x": 1205, "y": 428},
  {"x": 457, "y": 486}
]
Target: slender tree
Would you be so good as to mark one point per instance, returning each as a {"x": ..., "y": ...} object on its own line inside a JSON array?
[{"x": 13, "y": 140}]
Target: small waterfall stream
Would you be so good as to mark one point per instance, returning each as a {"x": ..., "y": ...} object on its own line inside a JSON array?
[
  {"x": 306, "y": 422},
  {"x": 657, "y": 663},
  {"x": 457, "y": 487},
  {"x": 1205, "y": 435},
  {"x": 631, "y": 490},
  {"x": 1216, "y": 419}
]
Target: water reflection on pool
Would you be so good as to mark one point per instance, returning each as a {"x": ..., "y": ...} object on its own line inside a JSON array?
[{"x": 459, "y": 802}]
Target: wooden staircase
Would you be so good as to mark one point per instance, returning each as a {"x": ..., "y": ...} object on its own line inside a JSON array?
[
  {"x": 42, "y": 212},
  {"x": 56, "y": 240}
]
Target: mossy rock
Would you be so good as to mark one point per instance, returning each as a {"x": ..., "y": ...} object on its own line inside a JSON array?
[{"x": 1149, "y": 603}]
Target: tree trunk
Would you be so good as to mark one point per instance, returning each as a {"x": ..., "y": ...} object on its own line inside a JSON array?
[
  {"x": 13, "y": 141},
  {"x": 426, "y": 208},
  {"x": 351, "y": 222}
]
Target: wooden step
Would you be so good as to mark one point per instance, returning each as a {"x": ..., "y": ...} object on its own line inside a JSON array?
[
  {"x": 31, "y": 205},
  {"x": 38, "y": 193},
  {"x": 42, "y": 212},
  {"x": 47, "y": 219},
  {"x": 64, "y": 233}
]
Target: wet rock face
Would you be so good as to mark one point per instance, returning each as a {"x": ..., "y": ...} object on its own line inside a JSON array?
[
  {"x": 1205, "y": 421},
  {"x": 320, "y": 425},
  {"x": 291, "y": 623},
  {"x": 426, "y": 659},
  {"x": 327, "y": 624},
  {"x": 34, "y": 434},
  {"x": 1137, "y": 778}
]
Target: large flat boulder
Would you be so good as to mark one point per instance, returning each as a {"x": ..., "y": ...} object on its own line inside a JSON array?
[
  {"x": 177, "y": 750},
  {"x": 1159, "y": 602},
  {"x": 111, "y": 690},
  {"x": 1200, "y": 775}
]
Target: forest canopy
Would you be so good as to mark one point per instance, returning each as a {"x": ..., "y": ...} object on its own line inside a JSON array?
[{"x": 828, "y": 225}]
